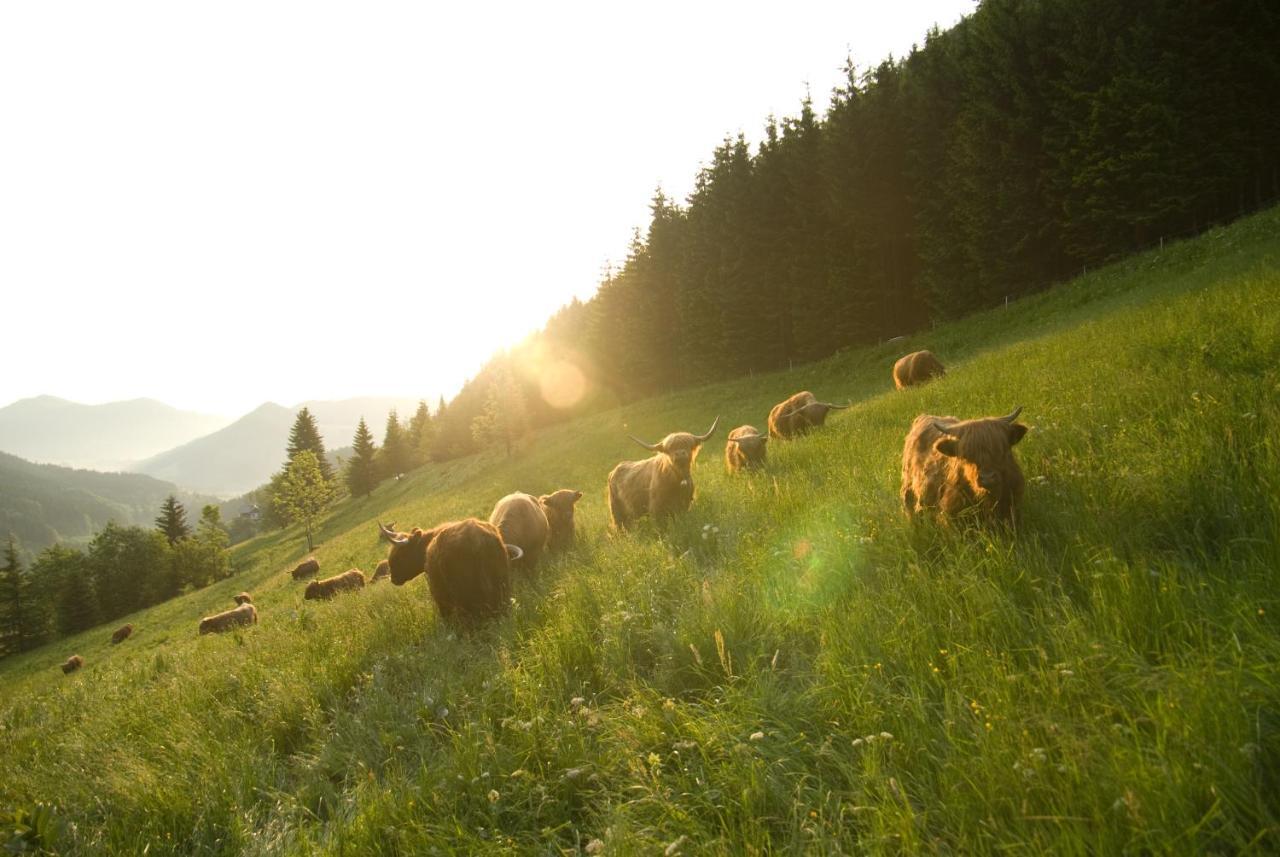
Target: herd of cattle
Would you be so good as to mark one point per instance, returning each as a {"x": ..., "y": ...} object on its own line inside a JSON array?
[{"x": 949, "y": 467}]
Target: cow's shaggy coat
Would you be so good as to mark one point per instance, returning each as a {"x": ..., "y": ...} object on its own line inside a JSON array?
[
  {"x": 916, "y": 368},
  {"x": 745, "y": 448},
  {"x": 661, "y": 485},
  {"x": 522, "y": 521},
  {"x": 467, "y": 564},
  {"x": 559, "y": 507},
  {"x": 309, "y": 567},
  {"x": 950, "y": 466},
  {"x": 383, "y": 570},
  {"x": 122, "y": 633},
  {"x": 243, "y": 598},
  {"x": 798, "y": 415},
  {"x": 245, "y": 614},
  {"x": 348, "y": 581},
  {"x": 72, "y": 664}
]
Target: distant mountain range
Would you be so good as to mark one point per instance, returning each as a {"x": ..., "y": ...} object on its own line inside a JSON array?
[
  {"x": 102, "y": 437},
  {"x": 243, "y": 455},
  {"x": 44, "y": 504}
]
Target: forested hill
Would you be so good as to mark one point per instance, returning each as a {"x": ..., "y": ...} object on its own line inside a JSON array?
[
  {"x": 1028, "y": 142},
  {"x": 44, "y": 504}
]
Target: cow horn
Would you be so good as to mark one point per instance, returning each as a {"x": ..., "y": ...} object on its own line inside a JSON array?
[
  {"x": 944, "y": 429},
  {"x": 391, "y": 535},
  {"x": 514, "y": 553},
  {"x": 710, "y": 431},
  {"x": 1013, "y": 416},
  {"x": 652, "y": 447},
  {"x": 836, "y": 407}
]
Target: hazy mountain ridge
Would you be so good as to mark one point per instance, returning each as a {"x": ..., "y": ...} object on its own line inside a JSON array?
[
  {"x": 45, "y": 504},
  {"x": 106, "y": 437}
]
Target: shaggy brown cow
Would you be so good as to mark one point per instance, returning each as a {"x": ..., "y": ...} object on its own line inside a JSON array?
[
  {"x": 331, "y": 586},
  {"x": 243, "y": 598},
  {"x": 467, "y": 564},
  {"x": 745, "y": 448},
  {"x": 950, "y": 465},
  {"x": 559, "y": 506},
  {"x": 309, "y": 567},
  {"x": 522, "y": 521},
  {"x": 72, "y": 664},
  {"x": 916, "y": 368},
  {"x": 383, "y": 570},
  {"x": 799, "y": 414},
  {"x": 661, "y": 485},
  {"x": 245, "y": 614},
  {"x": 121, "y": 634}
]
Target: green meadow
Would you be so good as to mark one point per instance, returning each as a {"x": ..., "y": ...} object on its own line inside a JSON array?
[{"x": 790, "y": 668}]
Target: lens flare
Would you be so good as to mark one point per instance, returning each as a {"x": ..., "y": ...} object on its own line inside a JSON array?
[{"x": 563, "y": 384}]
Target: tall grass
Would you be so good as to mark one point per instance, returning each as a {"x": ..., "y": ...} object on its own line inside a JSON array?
[{"x": 790, "y": 667}]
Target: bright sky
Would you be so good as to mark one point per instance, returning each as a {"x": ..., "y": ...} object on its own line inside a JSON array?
[{"x": 220, "y": 204}]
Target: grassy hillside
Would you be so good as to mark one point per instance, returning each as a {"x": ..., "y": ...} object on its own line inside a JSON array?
[{"x": 813, "y": 677}]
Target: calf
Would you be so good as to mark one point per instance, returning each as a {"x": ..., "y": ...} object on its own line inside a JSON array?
[
  {"x": 347, "y": 581},
  {"x": 949, "y": 466},
  {"x": 661, "y": 485},
  {"x": 798, "y": 415},
  {"x": 745, "y": 449},
  {"x": 559, "y": 506},
  {"x": 468, "y": 566},
  {"x": 245, "y": 614},
  {"x": 916, "y": 368}
]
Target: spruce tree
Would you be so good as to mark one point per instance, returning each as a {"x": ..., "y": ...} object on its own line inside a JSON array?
[
  {"x": 306, "y": 436},
  {"x": 172, "y": 522},
  {"x": 14, "y": 606},
  {"x": 362, "y": 469},
  {"x": 395, "y": 448},
  {"x": 421, "y": 433}
]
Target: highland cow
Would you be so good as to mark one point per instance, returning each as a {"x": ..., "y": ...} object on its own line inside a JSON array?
[
  {"x": 522, "y": 521},
  {"x": 121, "y": 634},
  {"x": 243, "y": 598},
  {"x": 559, "y": 506},
  {"x": 916, "y": 368},
  {"x": 383, "y": 570},
  {"x": 329, "y": 587},
  {"x": 798, "y": 415},
  {"x": 72, "y": 664},
  {"x": 661, "y": 485},
  {"x": 245, "y": 614},
  {"x": 949, "y": 466},
  {"x": 309, "y": 567},
  {"x": 745, "y": 449},
  {"x": 468, "y": 566}
]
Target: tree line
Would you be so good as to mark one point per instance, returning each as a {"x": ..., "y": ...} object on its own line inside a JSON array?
[
  {"x": 124, "y": 568},
  {"x": 1006, "y": 154}
]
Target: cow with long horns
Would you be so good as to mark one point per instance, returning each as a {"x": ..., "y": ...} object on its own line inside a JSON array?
[
  {"x": 745, "y": 449},
  {"x": 661, "y": 485},
  {"x": 467, "y": 564},
  {"x": 950, "y": 466},
  {"x": 798, "y": 415},
  {"x": 916, "y": 368}
]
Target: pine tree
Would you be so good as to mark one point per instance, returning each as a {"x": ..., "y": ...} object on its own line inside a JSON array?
[
  {"x": 172, "y": 522},
  {"x": 422, "y": 431},
  {"x": 305, "y": 436},
  {"x": 362, "y": 470},
  {"x": 303, "y": 492},
  {"x": 15, "y": 632},
  {"x": 396, "y": 457}
]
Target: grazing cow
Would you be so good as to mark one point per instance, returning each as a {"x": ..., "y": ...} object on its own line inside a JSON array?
[
  {"x": 243, "y": 598},
  {"x": 383, "y": 570},
  {"x": 559, "y": 506},
  {"x": 522, "y": 521},
  {"x": 661, "y": 485},
  {"x": 72, "y": 664},
  {"x": 468, "y": 566},
  {"x": 744, "y": 449},
  {"x": 331, "y": 586},
  {"x": 916, "y": 368},
  {"x": 949, "y": 465},
  {"x": 799, "y": 414},
  {"x": 121, "y": 634},
  {"x": 309, "y": 567},
  {"x": 245, "y": 614}
]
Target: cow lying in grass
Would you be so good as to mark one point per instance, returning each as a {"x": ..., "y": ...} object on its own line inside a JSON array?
[
  {"x": 72, "y": 664},
  {"x": 745, "y": 449},
  {"x": 383, "y": 570},
  {"x": 468, "y": 566},
  {"x": 916, "y": 368},
  {"x": 348, "y": 581},
  {"x": 243, "y": 598},
  {"x": 950, "y": 466},
  {"x": 121, "y": 634},
  {"x": 661, "y": 485},
  {"x": 798, "y": 415},
  {"x": 245, "y": 614}
]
